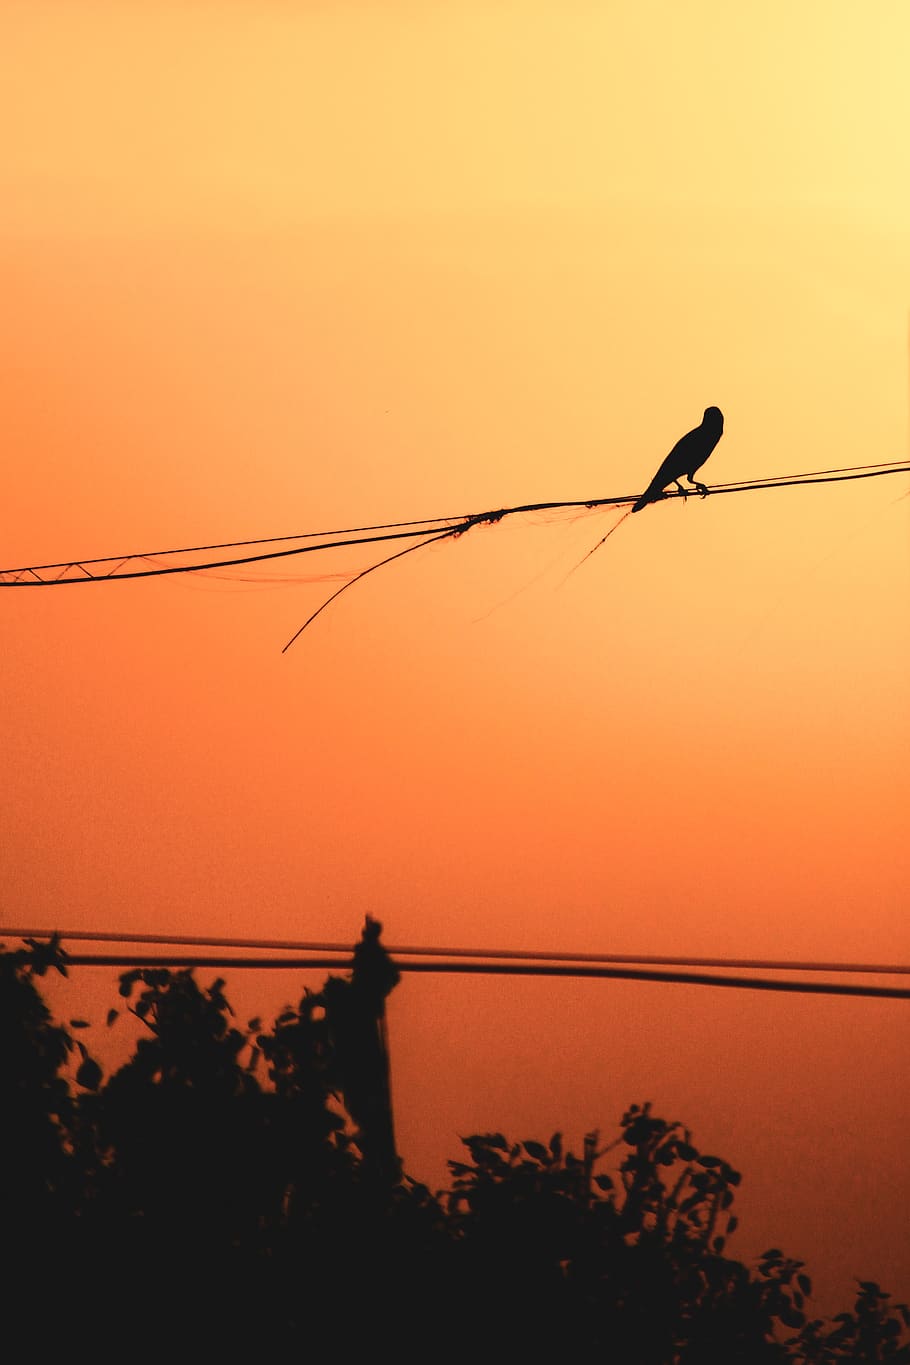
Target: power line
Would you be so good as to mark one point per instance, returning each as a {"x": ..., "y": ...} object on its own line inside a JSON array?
[
  {"x": 498, "y": 963},
  {"x": 507, "y": 969},
  {"x": 432, "y": 531},
  {"x": 31, "y": 576},
  {"x": 116, "y": 576},
  {"x": 494, "y": 954}
]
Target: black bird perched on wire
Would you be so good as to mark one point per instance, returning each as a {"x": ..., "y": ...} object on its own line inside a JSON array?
[{"x": 687, "y": 456}]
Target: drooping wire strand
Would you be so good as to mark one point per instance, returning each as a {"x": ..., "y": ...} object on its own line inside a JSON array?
[
  {"x": 615, "y": 527},
  {"x": 356, "y": 579}
]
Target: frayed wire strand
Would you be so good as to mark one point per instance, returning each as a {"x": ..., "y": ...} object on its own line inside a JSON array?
[
  {"x": 481, "y": 518},
  {"x": 399, "y": 554},
  {"x": 614, "y": 527}
]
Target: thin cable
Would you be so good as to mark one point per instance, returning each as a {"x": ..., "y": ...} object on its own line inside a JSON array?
[
  {"x": 841, "y": 469},
  {"x": 357, "y": 530},
  {"x": 191, "y": 568},
  {"x": 430, "y": 526},
  {"x": 508, "y": 969},
  {"x": 794, "y": 480},
  {"x": 240, "y": 544},
  {"x": 501, "y": 954}
]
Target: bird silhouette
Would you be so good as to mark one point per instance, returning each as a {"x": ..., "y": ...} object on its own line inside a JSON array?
[{"x": 687, "y": 456}]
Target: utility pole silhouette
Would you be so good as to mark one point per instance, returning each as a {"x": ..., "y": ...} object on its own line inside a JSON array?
[{"x": 355, "y": 1011}]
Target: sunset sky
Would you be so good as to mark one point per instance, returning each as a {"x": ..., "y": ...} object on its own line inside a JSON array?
[{"x": 273, "y": 267}]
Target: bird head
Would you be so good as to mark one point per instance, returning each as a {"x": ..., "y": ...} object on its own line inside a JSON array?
[{"x": 713, "y": 417}]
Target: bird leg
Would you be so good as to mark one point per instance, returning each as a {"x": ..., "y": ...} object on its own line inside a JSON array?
[
  {"x": 700, "y": 487},
  {"x": 684, "y": 491}
]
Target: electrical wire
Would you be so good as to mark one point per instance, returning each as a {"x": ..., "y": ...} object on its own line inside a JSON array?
[
  {"x": 240, "y": 544},
  {"x": 433, "y": 527},
  {"x": 160, "y": 571},
  {"x": 508, "y": 969},
  {"x": 500, "y": 954},
  {"x": 497, "y": 963}
]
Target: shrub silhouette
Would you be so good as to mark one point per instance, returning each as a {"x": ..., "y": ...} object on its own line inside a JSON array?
[
  {"x": 217, "y": 1192},
  {"x": 631, "y": 1262}
]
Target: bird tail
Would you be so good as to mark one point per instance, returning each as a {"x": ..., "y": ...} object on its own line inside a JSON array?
[{"x": 649, "y": 495}]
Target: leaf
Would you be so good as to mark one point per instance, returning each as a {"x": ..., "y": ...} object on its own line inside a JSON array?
[
  {"x": 732, "y": 1224},
  {"x": 79, "y": 1023},
  {"x": 495, "y": 1140},
  {"x": 111, "y": 1016},
  {"x": 89, "y": 1074},
  {"x": 603, "y": 1182},
  {"x": 805, "y": 1284},
  {"x": 536, "y": 1150},
  {"x": 128, "y": 981},
  {"x": 710, "y": 1161},
  {"x": 790, "y": 1316}
]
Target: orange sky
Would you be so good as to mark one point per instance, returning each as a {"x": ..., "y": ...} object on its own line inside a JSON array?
[{"x": 273, "y": 267}]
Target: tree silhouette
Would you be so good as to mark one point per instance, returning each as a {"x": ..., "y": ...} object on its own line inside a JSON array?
[
  {"x": 37, "y": 1109},
  {"x": 219, "y": 1191}
]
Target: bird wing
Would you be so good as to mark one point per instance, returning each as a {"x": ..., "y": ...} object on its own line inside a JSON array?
[
  {"x": 679, "y": 461},
  {"x": 689, "y": 453}
]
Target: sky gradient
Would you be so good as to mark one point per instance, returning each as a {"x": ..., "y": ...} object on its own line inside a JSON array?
[{"x": 273, "y": 268}]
